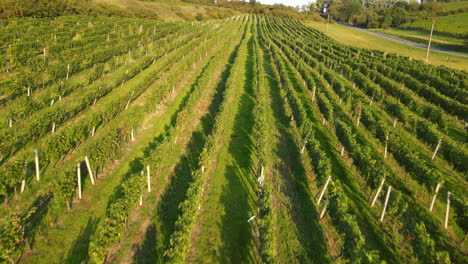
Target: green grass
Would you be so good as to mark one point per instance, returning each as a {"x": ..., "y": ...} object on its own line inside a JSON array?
[
  {"x": 300, "y": 235},
  {"x": 352, "y": 37},
  {"x": 224, "y": 235},
  {"x": 452, "y": 25},
  {"x": 452, "y": 6},
  {"x": 169, "y": 10},
  {"x": 71, "y": 246},
  {"x": 419, "y": 37}
]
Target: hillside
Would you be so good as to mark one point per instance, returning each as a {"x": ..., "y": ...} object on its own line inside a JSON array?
[
  {"x": 170, "y": 10},
  {"x": 451, "y": 25}
]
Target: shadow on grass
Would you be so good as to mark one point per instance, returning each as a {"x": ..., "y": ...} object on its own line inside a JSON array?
[
  {"x": 357, "y": 199},
  {"x": 304, "y": 212},
  {"x": 238, "y": 193},
  {"x": 37, "y": 211},
  {"x": 79, "y": 249}
]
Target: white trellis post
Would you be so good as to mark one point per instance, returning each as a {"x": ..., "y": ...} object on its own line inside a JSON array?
[
  {"x": 359, "y": 116},
  {"x": 78, "y": 175},
  {"x": 23, "y": 182},
  {"x": 68, "y": 70},
  {"x": 132, "y": 136},
  {"x": 90, "y": 171},
  {"x": 29, "y": 91},
  {"x": 303, "y": 147},
  {"x": 126, "y": 106},
  {"x": 313, "y": 93},
  {"x": 36, "y": 161},
  {"x": 386, "y": 203},
  {"x": 436, "y": 149},
  {"x": 23, "y": 185},
  {"x": 148, "y": 180},
  {"x": 53, "y": 127},
  {"x": 324, "y": 208},
  {"x": 434, "y": 197},
  {"x": 262, "y": 177},
  {"x": 447, "y": 210},
  {"x": 10, "y": 122},
  {"x": 378, "y": 192},
  {"x": 394, "y": 122},
  {"x": 141, "y": 200},
  {"x": 342, "y": 151},
  {"x": 93, "y": 130},
  {"x": 324, "y": 189},
  {"x": 386, "y": 146},
  {"x": 52, "y": 102}
]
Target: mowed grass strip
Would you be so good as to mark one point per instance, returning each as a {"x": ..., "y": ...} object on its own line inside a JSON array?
[
  {"x": 353, "y": 37},
  {"x": 222, "y": 234}
]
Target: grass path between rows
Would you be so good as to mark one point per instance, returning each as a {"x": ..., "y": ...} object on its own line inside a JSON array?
[
  {"x": 300, "y": 238},
  {"x": 222, "y": 234}
]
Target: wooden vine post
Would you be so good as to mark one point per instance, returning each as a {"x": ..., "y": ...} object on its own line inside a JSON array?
[
  {"x": 23, "y": 182},
  {"x": 378, "y": 192},
  {"x": 36, "y": 162},
  {"x": 322, "y": 214},
  {"x": 324, "y": 189},
  {"x": 148, "y": 180},
  {"x": 313, "y": 93},
  {"x": 359, "y": 116},
  {"x": 386, "y": 203},
  {"x": 90, "y": 171},
  {"x": 436, "y": 149},
  {"x": 303, "y": 147},
  {"x": 261, "y": 178},
  {"x": 132, "y": 135},
  {"x": 78, "y": 175},
  {"x": 447, "y": 210},
  {"x": 386, "y": 146},
  {"x": 434, "y": 197}
]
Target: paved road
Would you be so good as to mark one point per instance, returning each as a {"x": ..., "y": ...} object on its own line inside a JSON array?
[{"x": 404, "y": 41}]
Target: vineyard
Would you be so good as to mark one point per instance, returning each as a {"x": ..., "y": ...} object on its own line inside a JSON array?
[{"x": 243, "y": 140}]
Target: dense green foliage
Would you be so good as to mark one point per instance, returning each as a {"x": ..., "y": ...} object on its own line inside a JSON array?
[{"x": 254, "y": 123}]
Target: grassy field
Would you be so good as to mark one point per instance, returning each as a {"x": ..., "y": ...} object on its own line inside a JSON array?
[
  {"x": 361, "y": 39},
  {"x": 438, "y": 41},
  {"x": 169, "y": 10}
]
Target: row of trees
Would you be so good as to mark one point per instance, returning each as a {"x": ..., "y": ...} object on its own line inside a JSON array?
[{"x": 378, "y": 13}]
